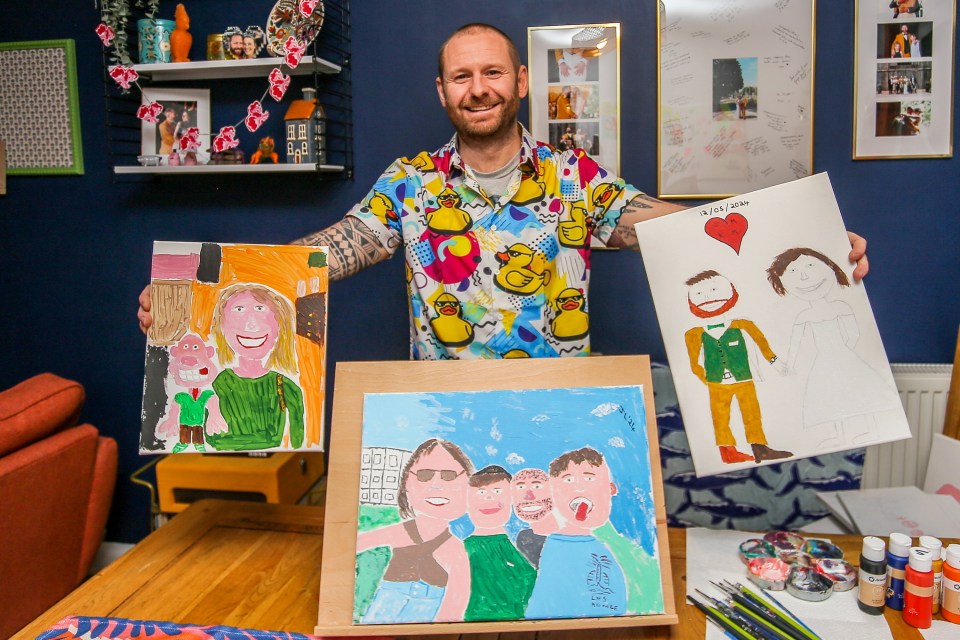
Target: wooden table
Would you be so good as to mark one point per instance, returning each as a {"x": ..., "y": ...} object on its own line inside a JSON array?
[{"x": 258, "y": 566}]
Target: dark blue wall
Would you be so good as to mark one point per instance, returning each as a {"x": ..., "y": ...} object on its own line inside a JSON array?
[{"x": 76, "y": 250}]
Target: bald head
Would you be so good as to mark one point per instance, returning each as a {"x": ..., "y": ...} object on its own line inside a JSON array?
[{"x": 479, "y": 27}]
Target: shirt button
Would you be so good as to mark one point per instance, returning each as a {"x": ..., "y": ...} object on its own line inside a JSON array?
[
  {"x": 493, "y": 227},
  {"x": 499, "y": 316}
]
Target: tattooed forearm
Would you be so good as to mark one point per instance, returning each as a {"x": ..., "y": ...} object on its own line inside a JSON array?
[
  {"x": 641, "y": 207},
  {"x": 351, "y": 247}
]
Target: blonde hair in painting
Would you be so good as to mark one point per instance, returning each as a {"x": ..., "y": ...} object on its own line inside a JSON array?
[{"x": 283, "y": 355}]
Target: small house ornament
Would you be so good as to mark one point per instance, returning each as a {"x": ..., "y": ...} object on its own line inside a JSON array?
[{"x": 306, "y": 130}]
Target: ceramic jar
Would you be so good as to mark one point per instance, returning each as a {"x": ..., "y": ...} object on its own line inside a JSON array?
[{"x": 154, "y": 39}]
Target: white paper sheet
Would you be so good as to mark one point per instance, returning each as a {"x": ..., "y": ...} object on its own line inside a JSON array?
[
  {"x": 712, "y": 555},
  {"x": 943, "y": 474}
]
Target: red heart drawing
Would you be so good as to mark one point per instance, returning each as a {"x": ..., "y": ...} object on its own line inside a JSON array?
[{"x": 729, "y": 230}]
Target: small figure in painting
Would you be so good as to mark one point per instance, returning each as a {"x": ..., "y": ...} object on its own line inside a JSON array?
[
  {"x": 501, "y": 579},
  {"x": 263, "y": 408},
  {"x": 265, "y": 153},
  {"x": 720, "y": 358},
  {"x": 252, "y": 42},
  {"x": 841, "y": 389},
  {"x": 181, "y": 39},
  {"x": 576, "y": 568},
  {"x": 428, "y": 577},
  {"x": 233, "y": 44},
  {"x": 533, "y": 504},
  {"x": 198, "y": 409}
]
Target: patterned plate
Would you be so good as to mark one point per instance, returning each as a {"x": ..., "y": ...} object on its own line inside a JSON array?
[{"x": 286, "y": 19}]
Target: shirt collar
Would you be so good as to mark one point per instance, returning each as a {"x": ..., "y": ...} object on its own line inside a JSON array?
[{"x": 528, "y": 152}]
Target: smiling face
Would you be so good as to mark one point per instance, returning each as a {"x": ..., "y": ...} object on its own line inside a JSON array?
[
  {"x": 190, "y": 362},
  {"x": 480, "y": 86},
  {"x": 808, "y": 278},
  {"x": 711, "y": 296},
  {"x": 531, "y": 495},
  {"x": 249, "y": 326},
  {"x": 436, "y": 486},
  {"x": 489, "y": 504},
  {"x": 581, "y": 493}
]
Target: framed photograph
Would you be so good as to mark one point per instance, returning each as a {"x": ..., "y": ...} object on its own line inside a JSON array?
[
  {"x": 483, "y": 473},
  {"x": 575, "y": 88},
  {"x": 903, "y": 107},
  {"x": 180, "y": 110},
  {"x": 736, "y": 96},
  {"x": 40, "y": 108}
]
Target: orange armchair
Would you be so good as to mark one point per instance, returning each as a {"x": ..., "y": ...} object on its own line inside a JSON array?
[{"x": 56, "y": 484}]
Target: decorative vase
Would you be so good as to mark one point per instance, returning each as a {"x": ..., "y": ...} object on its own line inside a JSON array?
[
  {"x": 154, "y": 39},
  {"x": 181, "y": 39}
]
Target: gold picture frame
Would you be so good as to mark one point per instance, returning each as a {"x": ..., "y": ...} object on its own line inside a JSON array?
[
  {"x": 735, "y": 96},
  {"x": 903, "y": 87},
  {"x": 575, "y": 88}
]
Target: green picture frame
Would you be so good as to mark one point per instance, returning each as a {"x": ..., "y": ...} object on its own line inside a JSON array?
[{"x": 42, "y": 137}]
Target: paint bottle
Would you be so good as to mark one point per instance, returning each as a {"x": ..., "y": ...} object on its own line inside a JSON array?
[
  {"x": 936, "y": 548},
  {"x": 897, "y": 557},
  {"x": 873, "y": 576},
  {"x": 918, "y": 589},
  {"x": 951, "y": 585}
]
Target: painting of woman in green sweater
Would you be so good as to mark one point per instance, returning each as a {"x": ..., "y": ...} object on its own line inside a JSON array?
[{"x": 254, "y": 331}]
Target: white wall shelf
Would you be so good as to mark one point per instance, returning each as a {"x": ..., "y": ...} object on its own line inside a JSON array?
[{"x": 227, "y": 69}]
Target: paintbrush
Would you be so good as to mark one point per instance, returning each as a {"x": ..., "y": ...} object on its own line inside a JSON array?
[
  {"x": 802, "y": 627},
  {"x": 746, "y": 623},
  {"x": 721, "y": 620},
  {"x": 761, "y": 613}
]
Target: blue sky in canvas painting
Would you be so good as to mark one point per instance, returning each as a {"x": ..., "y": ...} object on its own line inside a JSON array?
[{"x": 530, "y": 428}]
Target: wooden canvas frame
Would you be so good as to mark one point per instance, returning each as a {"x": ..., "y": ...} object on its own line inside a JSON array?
[
  {"x": 354, "y": 379},
  {"x": 37, "y": 78}
]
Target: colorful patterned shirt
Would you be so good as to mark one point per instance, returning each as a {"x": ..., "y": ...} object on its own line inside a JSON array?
[{"x": 496, "y": 279}]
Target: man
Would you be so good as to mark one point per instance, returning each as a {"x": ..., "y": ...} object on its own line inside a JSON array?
[
  {"x": 532, "y": 503},
  {"x": 480, "y": 84},
  {"x": 578, "y": 575},
  {"x": 725, "y": 367},
  {"x": 500, "y": 578},
  {"x": 233, "y": 43},
  {"x": 903, "y": 40}
]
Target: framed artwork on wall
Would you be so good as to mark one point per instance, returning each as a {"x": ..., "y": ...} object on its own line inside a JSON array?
[
  {"x": 174, "y": 112},
  {"x": 40, "y": 108},
  {"x": 903, "y": 105},
  {"x": 736, "y": 96},
  {"x": 575, "y": 88},
  {"x": 483, "y": 474}
]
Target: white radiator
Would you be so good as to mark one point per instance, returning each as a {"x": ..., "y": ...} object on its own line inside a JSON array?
[{"x": 923, "y": 390}]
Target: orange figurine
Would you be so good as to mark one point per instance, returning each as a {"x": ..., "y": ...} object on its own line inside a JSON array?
[
  {"x": 265, "y": 153},
  {"x": 180, "y": 39}
]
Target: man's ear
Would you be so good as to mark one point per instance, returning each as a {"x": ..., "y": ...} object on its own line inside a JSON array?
[
  {"x": 443, "y": 98},
  {"x": 522, "y": 81},
  {"x": 613, "y": 489}
]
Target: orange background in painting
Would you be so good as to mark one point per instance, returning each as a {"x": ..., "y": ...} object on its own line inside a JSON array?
[{"x": 281, "y": 268}]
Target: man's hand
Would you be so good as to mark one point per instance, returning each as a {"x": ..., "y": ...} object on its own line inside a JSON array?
[
  {"x": 143, "y": 313},
  {"x": 858, "y": 254}
]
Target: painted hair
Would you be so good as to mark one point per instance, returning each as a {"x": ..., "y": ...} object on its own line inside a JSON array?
[
  {"x": 489, "y": 475},
  {"x": 476, "y": 27},
  {"x": 282, "y": 355},
  {"x": 591, "y": 456},
  {"x": 703, "y": 275},
  {"x": 780, "y": 263},
  {"x": 426, "y": 447}
]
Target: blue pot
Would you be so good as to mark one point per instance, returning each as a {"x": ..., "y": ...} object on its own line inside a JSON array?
[{"x": 154, "y": 39}]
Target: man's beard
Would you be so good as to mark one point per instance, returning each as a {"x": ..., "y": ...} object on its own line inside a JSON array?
[
  {"x": 726, "y": 306},
  {"x": 490, "y": 129}
]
